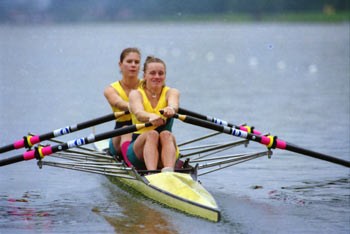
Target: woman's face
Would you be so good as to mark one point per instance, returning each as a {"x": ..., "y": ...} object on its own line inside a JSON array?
[
  {"x": 130, "y": 66},
  {"x": 154, "y": 75}
]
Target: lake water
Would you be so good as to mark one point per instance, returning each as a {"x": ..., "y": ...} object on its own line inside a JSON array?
[{"x": 292, "y": 80}]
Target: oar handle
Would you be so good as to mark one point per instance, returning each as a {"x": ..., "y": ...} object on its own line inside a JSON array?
[{"x": 184, "y": 111}]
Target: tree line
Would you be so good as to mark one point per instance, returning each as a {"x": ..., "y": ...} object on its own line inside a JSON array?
[{"x": 78, "y": 10}]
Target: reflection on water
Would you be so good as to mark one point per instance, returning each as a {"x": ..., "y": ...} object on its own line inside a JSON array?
[
  {"x": 324, "y": 191},
  {"x": 129, "y": 213},
  {"x": 25, "y": 212}
]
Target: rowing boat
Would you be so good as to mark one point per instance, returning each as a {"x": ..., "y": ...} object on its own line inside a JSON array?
[{"x": 179, "y": 190}]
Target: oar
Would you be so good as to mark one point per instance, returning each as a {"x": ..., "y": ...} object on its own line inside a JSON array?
[
  {"x": 218, "y": 121},
  {"x": 41, "y": 152},
  {"x": 29, "y": 141},
  {"x": 269, "y": 141}
]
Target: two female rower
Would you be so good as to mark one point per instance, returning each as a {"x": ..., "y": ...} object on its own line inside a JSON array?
[
  {"x": 151, "y": 147},
  {"x": 117, "y": 95},
  {"x": 154, "y": 146}
]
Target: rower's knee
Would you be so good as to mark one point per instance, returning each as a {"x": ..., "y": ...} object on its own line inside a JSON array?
[
  {"x": 166, "y": 136},
  {"x": 153, "y": 136}
]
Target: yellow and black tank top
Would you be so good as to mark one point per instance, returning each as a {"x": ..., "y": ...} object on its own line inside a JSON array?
[
  {"x": 162, "y": 103},
  {"x": 117, "y": 86}
]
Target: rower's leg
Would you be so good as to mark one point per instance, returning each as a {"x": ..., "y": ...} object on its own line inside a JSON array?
[
  {"x": 116, "y": 143},
  {"x": 168, "y": 149},
  {"x": 124, "y": 138},
  {"x": 150, "y": 151},
  {"x": 146, "y": 149}
]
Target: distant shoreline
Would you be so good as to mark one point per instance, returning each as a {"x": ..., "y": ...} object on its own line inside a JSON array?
[
  {"x": 304, "y": 17},
  {"x": 267, "y": 17}
]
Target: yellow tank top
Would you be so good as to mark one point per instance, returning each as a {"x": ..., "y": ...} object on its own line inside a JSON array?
[
  {"x": 162, "y": 103},
  {"x": 117, "y": 86}
]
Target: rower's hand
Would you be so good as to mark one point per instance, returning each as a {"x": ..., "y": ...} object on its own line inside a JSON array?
[
  {"x": 156, "y": 120},
  {"x": 168, "y": 112}
]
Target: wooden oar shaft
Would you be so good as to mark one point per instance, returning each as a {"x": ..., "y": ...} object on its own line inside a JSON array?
[
  {"x": 217, "y": 121},
  {"x": 44, "y": 151},
  {"x": 269, "y": 141},
  {"x": 32, "y": 140}
]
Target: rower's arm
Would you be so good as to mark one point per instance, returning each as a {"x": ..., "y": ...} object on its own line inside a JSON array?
[
  {"x": 136, "y": 106},
  {"x": 114, "y": 99},
  {"x": 173, "y": 98}
]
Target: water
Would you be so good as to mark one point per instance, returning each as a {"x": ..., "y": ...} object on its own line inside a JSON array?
[{"x": 290, "y": 79}]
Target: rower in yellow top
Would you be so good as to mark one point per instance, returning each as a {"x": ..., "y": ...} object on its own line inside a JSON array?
[
  {"x": 117, "y": 95},
  {"x": 154, "y": 146}
]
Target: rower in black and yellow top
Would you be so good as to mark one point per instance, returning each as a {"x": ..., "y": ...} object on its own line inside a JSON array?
[
  {"x": 162, "y": 103},
  {"x": 155, "y": 146},
  {"x": 124, "y": 120},
  {"x": 117, "y": 94}
]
